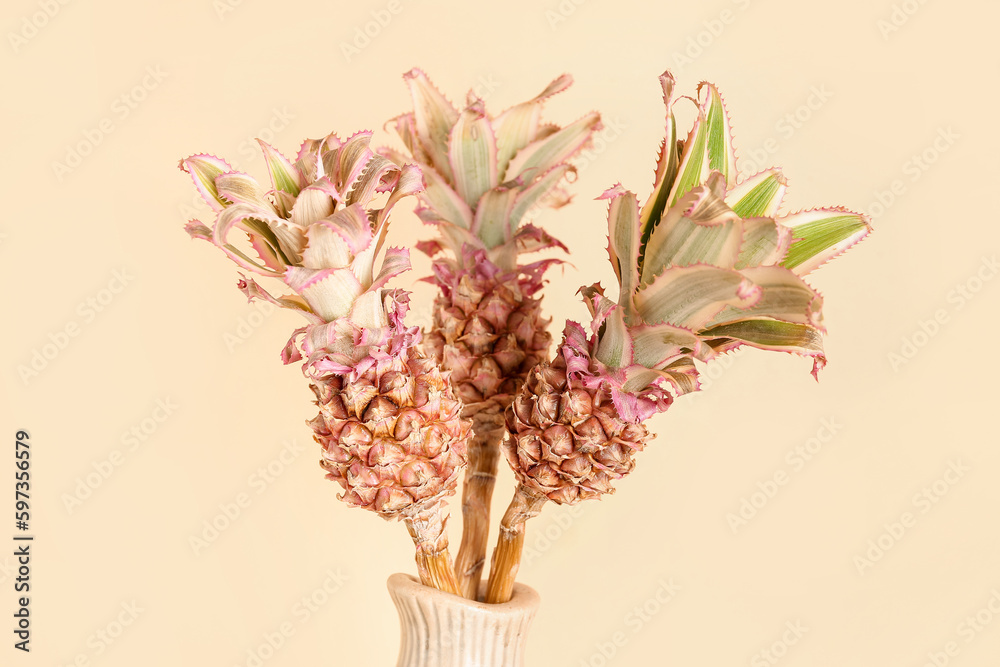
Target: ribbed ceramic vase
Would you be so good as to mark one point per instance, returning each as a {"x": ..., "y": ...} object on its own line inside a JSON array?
[{"x": 443, "y": 630}]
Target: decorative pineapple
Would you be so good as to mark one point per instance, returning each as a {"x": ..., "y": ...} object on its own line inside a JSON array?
[
  {"x": 389, "y": 422},
  {"x": 703, "y": 268},
  {"x": 484, "y": 175}
]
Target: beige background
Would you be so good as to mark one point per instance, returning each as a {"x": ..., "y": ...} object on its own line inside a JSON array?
[{"x": 177, "y": 331}]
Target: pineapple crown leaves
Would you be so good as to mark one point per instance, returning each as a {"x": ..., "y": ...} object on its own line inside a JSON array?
[
  {"x": 706, "y": 264},
  {"x": 320, "y": 228},
  {"x": 632, "y": 389},
  {"x": 342, "y": 347},
  {"x": 485, "y": 175}
]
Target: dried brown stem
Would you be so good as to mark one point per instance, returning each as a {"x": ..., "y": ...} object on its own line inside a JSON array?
[
  {"x": 428, "y": 530},
  {"x": 477, "y": 495},
  {"x": 525, "y": 504}
]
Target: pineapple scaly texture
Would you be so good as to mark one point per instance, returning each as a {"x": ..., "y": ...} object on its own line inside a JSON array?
[{"x": 389, "y": 423}]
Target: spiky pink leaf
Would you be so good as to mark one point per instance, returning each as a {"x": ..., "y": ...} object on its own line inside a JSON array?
[
  {"x": 600, "y": 306},
  {"x": 252, "y": 290},
  {"x": 352, "y": 225},
  {"x": 659, "y": 345},
  {"x": 267, "y": 253},
  {"x": 326, "y": 246},
  {"x": 239, "y": 188},
  {"x": 689, "y": 296},
  {"x": 492, "y": 214},
  {"x": 434, "y": 116},
  {"x": 446, "y": 204},
  {"x": 345, "y": 165},
  {"x": 405, "y": 127},
  {"x": 198, "y": 231},
  {"x": 536, "y": 194},
  {"x": 683, "y": 375},
  {"x": 329, "y": 292},
  {"x": 442, "y": 202},
  {"x": 784, "y": 296},
  {"x": 307, "y": 160},
  {"x": 629, "y": 406},
  {"x": 539, "y": 156},
  {"x": 532, "y": 239},
  {"x": 694, "y": 166},
  {"x": 666, "y": 166},
  {"x": 624, "y": 236},
  {"x": 429, "y": 248},
  {"x": 698, "y": 229},
  {"x": 614, "y": 346},
  {"x": 247, "y": 218},
  {"x": 285, "y": 176},
  {"x": 290, "y": 353},
  {"x": 772, "y": 334},
  {"x": 368, "y": 184},
  {"x": 472, "y": 153},
  {"x": 765, "y": 243},
  {"x": 397, "y": 261},
  {"x": 314, "y": 202},
  {"x": 368, "y": 311},
  {"x": 410, "y": 182},
  {"x": 518, "y": 126},
  {"x": 204, "y": 169}
]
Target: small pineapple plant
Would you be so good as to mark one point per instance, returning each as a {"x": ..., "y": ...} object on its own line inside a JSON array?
[
  {"x": 705, "y": 265},
  {"x": 484, "y": 176},
  {"x": 389, "y": 423}
]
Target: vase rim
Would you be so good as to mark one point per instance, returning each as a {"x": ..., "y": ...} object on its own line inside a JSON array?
[{"x": 523, "y": 597}]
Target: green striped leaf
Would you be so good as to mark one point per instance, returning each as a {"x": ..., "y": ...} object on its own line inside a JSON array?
[
  {"x": 699, "y": 229},
  {"x": 442, "y": 202},
  {"x": 284, "y": 175},
  {"x": 433, "y": 116},
  {"x": 765, "y": 243},
  {"x": 708, "y": 147},
  {"x": 784, "y": 296},
  {"x": 770, "y": 334},
  {"x": 759, "y": 196},
  {"x": 623, "y": 244},
  {"x": 539, "y": 156},
  {"x": 518, "y": 126},
  {"x": 693, "y": 168},
  {"x": 666, "y": 167},
  {"x": 689, "y": 296},
  {"x": 615, "y": 346},
  {"x": 472, "y": 154},
  {"x": 719, "y": 145},
  {"x": 535, "y": 194},
  {"x": 657, "y": 345},
  {"x": 204, "y": 169},
  {"x": 492, "y": 215},
  {"x": 820, "y": 235}
]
